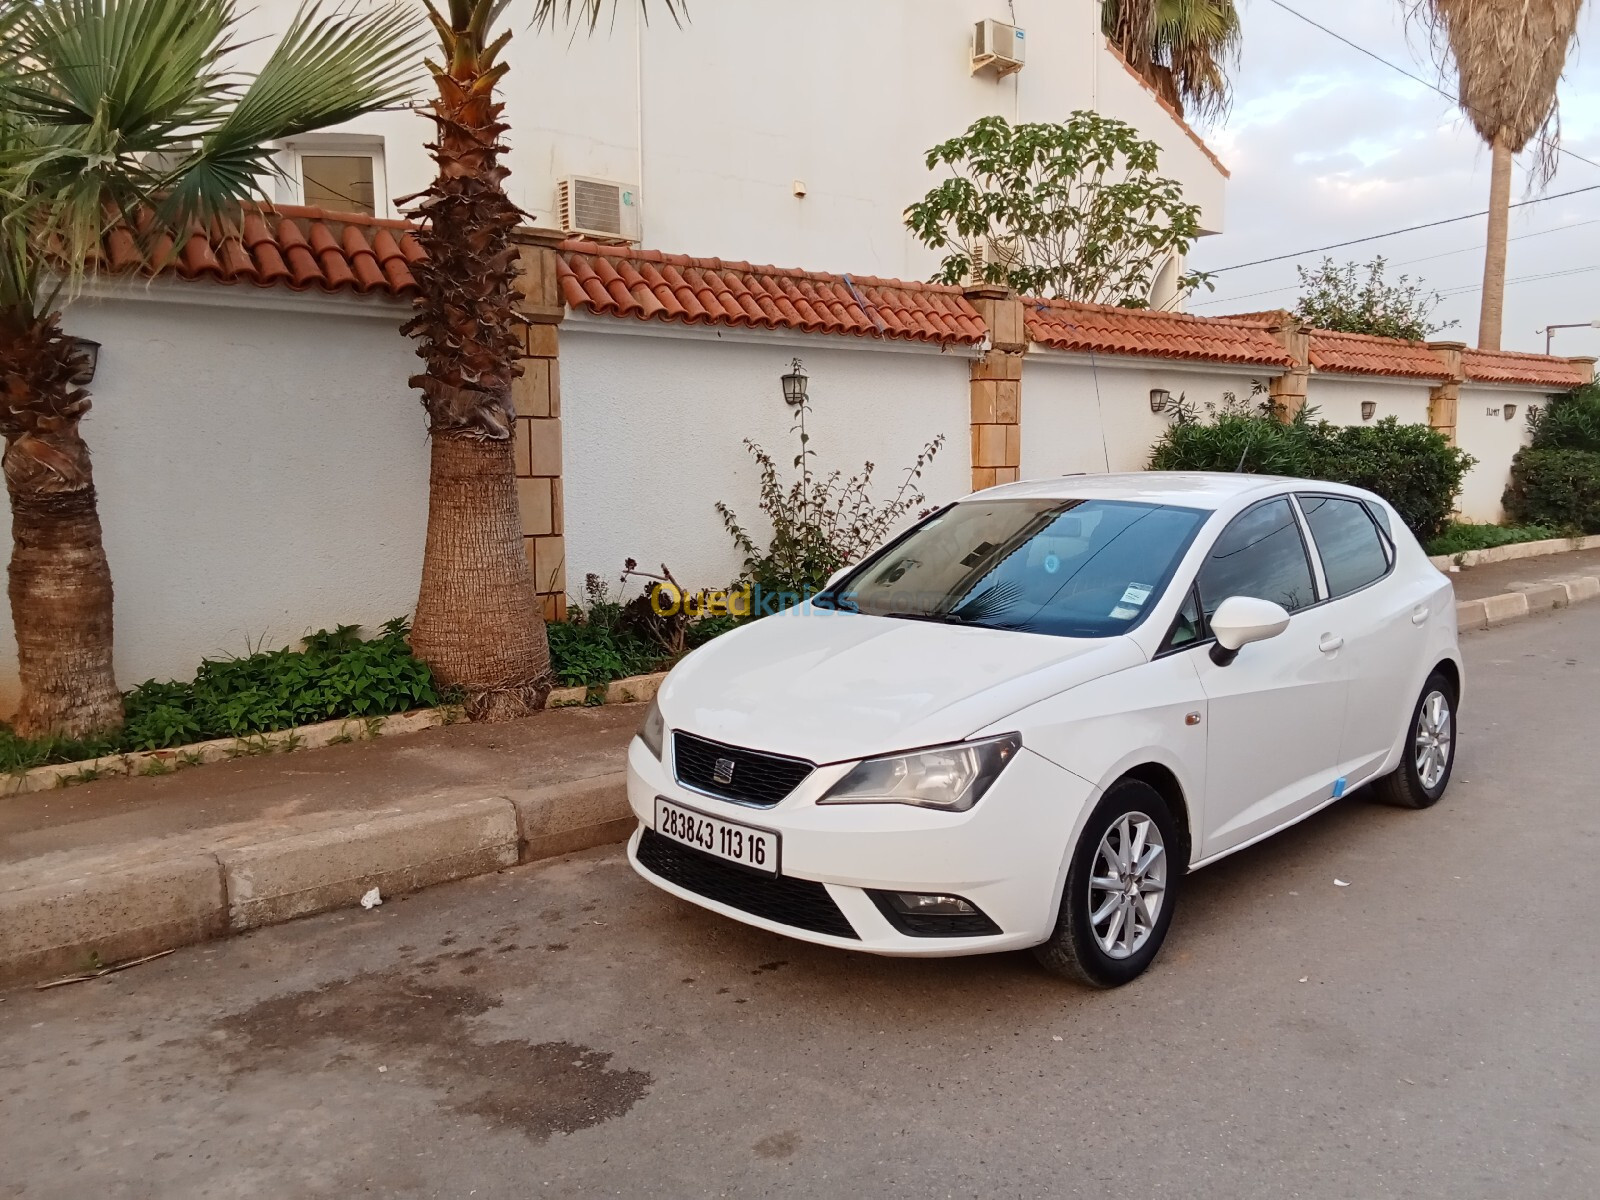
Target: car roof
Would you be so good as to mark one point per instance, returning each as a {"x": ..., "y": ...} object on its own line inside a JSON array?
[{"x": 1189, "y": 489}]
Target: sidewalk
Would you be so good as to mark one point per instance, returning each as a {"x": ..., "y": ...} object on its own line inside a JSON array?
[
  {"x": 1492, "y": 594},
  {"x": 112, "y": 870}
]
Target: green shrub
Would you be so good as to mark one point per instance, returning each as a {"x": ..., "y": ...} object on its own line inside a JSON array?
[
  {"x": 1555, "y": 487},
  {"x": 1569, "y": 422},
  {"x": 1413, "y": 467},
  {"x": 1461, "y": 536}
]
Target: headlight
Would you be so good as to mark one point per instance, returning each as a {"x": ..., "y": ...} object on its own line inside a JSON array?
[
  {"x": 654, "y": 729},
  {"x": 952, "y": 778}
]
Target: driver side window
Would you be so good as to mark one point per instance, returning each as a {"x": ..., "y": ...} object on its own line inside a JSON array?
[{"x": 1261, "y": 554}]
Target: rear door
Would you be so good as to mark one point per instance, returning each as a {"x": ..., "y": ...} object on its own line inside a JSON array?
[
  {"x": 1382, "y": 617},
  {"x": 1276, "y": 712}
]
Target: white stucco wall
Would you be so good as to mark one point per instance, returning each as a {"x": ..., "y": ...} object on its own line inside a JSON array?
[
  {"x": 654, "y": 417},
  {"x": 1483, "y": 432},
  {"x": 1338, "y": 398},
  {"x": 716, "y": 120},
  {"x": 261, "y": 473},
  {"x": 1079, "y": 415}
]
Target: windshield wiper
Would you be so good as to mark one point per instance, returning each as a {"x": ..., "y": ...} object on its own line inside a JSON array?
[{"x": 949, "y": 618}]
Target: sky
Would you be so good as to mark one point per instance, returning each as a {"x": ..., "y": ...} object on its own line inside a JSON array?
[{"x": 1326, "y": 145}]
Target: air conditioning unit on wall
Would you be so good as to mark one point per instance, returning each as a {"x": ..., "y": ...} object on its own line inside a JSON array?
[
  {"x": 602, "y": 209},
  {"x": 998, "y": 45}
]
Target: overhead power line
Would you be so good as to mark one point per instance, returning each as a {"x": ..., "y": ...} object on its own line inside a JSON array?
[{"x": 1427, "y": 83}]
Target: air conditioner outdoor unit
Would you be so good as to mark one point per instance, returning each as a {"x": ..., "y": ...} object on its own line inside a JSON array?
[
  {"x": 998, "y": 45},
  {"x": 602, "y": 209}
]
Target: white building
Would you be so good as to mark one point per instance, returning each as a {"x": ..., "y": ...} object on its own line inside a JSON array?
[{"x": 768, "y": 131}]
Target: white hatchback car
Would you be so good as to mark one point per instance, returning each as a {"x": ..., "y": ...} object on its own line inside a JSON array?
[{"x": 1020, "y": 723}]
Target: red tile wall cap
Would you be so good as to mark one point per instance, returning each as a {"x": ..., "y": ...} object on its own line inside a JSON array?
[
  {"x": 1100, "y": 328},
  {"x": 652, "y": 285},
  {"x": 1363, "y": 354},
  {"x": 1507, "y": 366},
  {"x": 275, "y": 245},
  {"x": 1166, "y": 106}
]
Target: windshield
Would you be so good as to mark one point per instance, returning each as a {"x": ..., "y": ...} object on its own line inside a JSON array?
[{"x": 1073, "y": 568}]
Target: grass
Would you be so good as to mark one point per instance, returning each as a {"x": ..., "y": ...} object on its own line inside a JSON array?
[{"x": 1461, "y": 536}]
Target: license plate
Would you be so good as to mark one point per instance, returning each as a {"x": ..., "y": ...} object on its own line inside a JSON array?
[{"x": 749, "y": 847}]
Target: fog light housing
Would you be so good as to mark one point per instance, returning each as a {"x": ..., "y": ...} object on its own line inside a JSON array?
[{"x": 933, "y": 914}]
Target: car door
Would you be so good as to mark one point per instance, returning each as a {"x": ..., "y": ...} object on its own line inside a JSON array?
[
  {"x": 1276, "y": 712},
  {"x": 1382, "y": 617}
]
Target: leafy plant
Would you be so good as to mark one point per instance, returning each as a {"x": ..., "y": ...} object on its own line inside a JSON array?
[
  {"x": 1074, "y": 211},
  {"x": 1413, "y": 467},
  {"x": 820, "y": 522},
  {"x": 1556, "y": 479},
  {"x": 1460, "y": 536},
  {"x": 1341, "y": 298}
]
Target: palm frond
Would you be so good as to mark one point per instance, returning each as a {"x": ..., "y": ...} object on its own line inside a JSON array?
[{"x": 587, "y": 12}]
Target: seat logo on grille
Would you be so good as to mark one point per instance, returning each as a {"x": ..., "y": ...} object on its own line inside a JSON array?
[{"x": 723, "y": 772}]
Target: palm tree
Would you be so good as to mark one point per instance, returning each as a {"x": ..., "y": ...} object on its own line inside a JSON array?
[
  {"x": 1185, "y": 48},
  {"x": 1508, "y": 56},
  {"x": 111, "y": 108},
  {"x": 478, "y": 623}
]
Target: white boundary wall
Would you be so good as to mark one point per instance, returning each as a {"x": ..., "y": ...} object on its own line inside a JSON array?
[{"x": 654, "y": 418}]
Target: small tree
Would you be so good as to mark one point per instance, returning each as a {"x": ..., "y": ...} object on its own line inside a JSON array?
[
  {"x": 1342, "y": 298},
  {"x": 1074, "y": 211}
]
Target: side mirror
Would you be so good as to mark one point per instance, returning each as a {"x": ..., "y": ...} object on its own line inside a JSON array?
[{"x": 1240, "y": 620}]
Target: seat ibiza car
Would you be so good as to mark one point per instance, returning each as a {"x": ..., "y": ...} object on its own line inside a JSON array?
[{"x": 1022, "y": 722}]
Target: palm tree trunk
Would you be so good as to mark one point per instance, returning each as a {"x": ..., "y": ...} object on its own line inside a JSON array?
[
  {"x": 60, "y": 582},
  {"x": 1492, "y": 314},
  {"x": 478, "y": 623}
]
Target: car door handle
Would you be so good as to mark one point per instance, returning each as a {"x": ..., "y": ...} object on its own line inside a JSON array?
[
  {"x": 1419, "y": 614},
  {"x": 1329, "y": 643}
]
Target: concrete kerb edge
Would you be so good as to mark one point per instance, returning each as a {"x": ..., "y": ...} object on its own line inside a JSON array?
[
  {"x": 635, "y": 689},
  {"x": 1492, "y": 611},
  {"x": 1481, "y": 558}
]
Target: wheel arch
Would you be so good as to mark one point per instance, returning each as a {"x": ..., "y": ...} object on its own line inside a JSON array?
[
  {"x": 1166, "y": 784},
  {"x": 1451, "y": 670}
]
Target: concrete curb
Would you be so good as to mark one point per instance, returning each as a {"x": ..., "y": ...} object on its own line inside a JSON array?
[
  {"x": 632, "y": 690},
  {"x": 1479, "y": 558},
  {"x": 68, "y": 912},
  {"x": 1506, "y": 607}
]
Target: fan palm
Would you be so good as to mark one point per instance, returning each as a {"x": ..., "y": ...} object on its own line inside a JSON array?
[
  {"x": 478, "y": 622},
  {"x": 1185, "y": 48},
  {"x": 1509, "y": 56},
  {"x": 112, "y": 107}
]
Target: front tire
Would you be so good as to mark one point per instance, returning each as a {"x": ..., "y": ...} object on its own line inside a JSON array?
[
  {"x": 1430, "y": 749},
  {"x": 1121, "y": 890}
]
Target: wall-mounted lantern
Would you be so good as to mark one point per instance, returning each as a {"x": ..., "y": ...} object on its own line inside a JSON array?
[
  {"x": 86, "y": 354},
  {"x": 1369, "y": 409},
  {"x": 1159, "y": 399},
  {"x": 1510, "y": 411},
  {"x": 794, "y": 385}
]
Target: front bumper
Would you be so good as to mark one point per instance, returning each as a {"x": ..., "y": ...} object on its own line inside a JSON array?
[{"x": 1007, "y": 854}]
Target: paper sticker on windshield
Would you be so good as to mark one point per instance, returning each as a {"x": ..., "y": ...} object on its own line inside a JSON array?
[
  {"x": 1137, "y": 594},
  {"x": 1122, "y": 613}
]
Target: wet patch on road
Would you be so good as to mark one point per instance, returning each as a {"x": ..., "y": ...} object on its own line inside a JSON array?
[{"x": 420, "y": 1026}]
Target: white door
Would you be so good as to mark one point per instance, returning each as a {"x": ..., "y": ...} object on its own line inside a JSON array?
[
  {"x": 1276, "y": 712},
  {"x": 1383, "y": 618}
]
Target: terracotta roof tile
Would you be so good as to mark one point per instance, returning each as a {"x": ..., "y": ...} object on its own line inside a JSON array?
[
  {"x": 301, "y": 248},
  {"x": 1505, "y": 366},
  {"x": 650, "y": 285},
  {"x": 1362, "y": 354},
  {"x": 1099, "y": 328}
]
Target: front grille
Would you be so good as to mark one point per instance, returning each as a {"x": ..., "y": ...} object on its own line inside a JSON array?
[
  {"x": 801, "y": 903},
  {"x": 758, "y": 779}
]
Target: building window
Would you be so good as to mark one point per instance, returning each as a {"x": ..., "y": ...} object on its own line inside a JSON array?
[{"x": 338, "y": 182}]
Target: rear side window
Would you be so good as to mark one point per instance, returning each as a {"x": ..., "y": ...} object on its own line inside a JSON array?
[
  {"x": 1261, "y": 554},
  {"x": 1349, "y": 543}
]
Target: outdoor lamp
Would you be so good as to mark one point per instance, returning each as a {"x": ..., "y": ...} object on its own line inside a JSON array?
[
  {"x": 86, "y": 353},
  {"x": 1369, "y": 409},
  {"x": 1159, "y": 399},
  {"x": 794, "y": 385},
  {"x": 1510, "y": 411}
]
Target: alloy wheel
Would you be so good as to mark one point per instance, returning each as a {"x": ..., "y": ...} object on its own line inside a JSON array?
[
  {"x": 1128, "y": 885},
  {"x": 1435, "y": 731}
]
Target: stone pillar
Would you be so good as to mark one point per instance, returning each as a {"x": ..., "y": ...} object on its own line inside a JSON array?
[
  {"x": 1444, "y": 400},
  {"x": 537, "y": 395},
  {"x": 1288, "y": 391},
  {"x": 1587, "y": 366},
  {"x": 997, "y": 389}
]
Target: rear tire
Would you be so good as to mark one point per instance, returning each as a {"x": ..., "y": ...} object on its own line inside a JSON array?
[
  {"x": 1110, "y": 882},
  {"x": 1430, "y": 750}
]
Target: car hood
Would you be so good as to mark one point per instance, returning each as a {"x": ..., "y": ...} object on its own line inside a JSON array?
[{"x": 831, "y": 686}]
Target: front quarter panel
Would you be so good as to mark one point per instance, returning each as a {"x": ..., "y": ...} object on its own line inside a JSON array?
[{"x": 1099, "y": 731}]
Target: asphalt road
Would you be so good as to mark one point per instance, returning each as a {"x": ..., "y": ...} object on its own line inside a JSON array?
[{"x": 1429, "y": 1030}]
